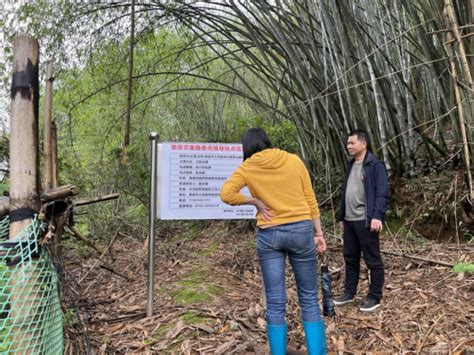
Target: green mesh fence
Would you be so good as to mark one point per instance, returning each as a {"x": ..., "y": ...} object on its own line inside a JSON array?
[{"x": 30, "y": 311}]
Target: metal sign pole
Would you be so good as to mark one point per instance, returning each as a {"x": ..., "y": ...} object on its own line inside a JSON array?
[{"x": 154, "y": 136}]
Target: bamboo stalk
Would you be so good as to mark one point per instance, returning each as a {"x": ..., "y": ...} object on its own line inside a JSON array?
[
  {"x": 126, "y": 140},
  {"x": 47, "y": 155},
  {"x": 447, "y": 29},
  {"x": 54, "y": 155},
  {"x": 451, "y": 19},
  {"x": 380, "y": 118},
  {"x": 457, "y": 95}
]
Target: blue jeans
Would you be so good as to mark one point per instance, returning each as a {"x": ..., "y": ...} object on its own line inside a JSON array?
[{"x": 273, "y": 245}]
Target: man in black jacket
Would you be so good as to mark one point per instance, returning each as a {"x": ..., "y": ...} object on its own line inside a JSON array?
[{"x": 362, "y": 212}]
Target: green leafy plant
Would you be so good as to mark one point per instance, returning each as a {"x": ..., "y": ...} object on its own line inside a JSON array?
[{"x": 467, "y": 268}]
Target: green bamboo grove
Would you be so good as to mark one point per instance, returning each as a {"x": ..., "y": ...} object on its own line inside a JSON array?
[{"x": 400, "y": 69}]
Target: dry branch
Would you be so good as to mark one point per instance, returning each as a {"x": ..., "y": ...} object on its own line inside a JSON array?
[
  {"x": 414, "y": 257},
  {"x": 419, "y": 258},
  {"x": 108, "y": 268},
  {"x": 75, "y": 233},
  {"x": 59, "y": 193},
  {"x": 97, "y": 199}
]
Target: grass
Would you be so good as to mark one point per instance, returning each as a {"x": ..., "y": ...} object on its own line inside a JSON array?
[
  {"x": 160, "y": 333},
  {"x": 162, "y": 291},
  {"x": 399, "y": 226},
  {"x": 327, "y": 218},
  {"x": 69, "y": 317},
  {"x": 195, "y": 229},
  {"x": 214, "y": 290},
  {"x": 467, "y": 268},
  {"x": 191, "y": 318},
  {"x": 3, "y": 188},
  {"x": 250, "y": 243},
  {"x": 190, "y": 296},
  {"x": 210, "y": 250},
  {"x": 196, "y": 287}
]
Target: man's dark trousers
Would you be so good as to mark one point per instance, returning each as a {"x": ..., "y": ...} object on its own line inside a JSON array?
[{"x": 358, "y": 238}]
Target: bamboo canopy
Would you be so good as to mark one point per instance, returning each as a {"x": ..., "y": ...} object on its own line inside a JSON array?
[{"x": 334, "y": 66}]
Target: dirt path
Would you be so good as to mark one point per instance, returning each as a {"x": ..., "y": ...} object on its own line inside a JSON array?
[{"x": 209, "y": 299}]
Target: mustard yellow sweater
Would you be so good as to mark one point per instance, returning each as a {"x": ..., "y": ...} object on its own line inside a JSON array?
[{"x": 280, "y": 180}]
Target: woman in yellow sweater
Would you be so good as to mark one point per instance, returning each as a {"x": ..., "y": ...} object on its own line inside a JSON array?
[{"x": 288, "y": 224}]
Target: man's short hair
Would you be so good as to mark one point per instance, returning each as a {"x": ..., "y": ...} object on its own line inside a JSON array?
[{"x": 361, "y": 135}]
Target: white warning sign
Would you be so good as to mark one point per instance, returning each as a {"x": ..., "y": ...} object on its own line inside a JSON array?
[{"x": 190, "y": 177}]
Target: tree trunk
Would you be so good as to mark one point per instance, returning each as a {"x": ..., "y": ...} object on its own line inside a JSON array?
[
  {"x": 48, "y": 99},
  {"x": 126, "y": 140}
]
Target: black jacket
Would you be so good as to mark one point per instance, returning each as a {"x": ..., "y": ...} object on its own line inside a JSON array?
[{"x": 375, "y": 186}]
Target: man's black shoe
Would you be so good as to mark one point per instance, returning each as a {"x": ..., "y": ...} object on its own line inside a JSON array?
[
  {"x": 341, "y": 300},
  {"x": 370, "y": 305}
]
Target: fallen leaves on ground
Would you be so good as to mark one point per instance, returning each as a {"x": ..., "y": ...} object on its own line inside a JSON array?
[{"x": 208, "y": 299}]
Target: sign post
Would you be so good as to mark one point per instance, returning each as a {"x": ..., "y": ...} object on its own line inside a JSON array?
[
  {"x": 151, "y": 220},
  {"x": 185, "y": 184}
]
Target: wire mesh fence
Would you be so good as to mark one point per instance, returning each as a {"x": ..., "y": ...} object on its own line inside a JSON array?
[{"x": 30, "y": 310}]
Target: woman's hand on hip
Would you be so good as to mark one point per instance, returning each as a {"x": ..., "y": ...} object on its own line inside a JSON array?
[{"x": 264, "y": 211}]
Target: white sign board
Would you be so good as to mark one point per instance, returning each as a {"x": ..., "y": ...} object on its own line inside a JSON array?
[{"x": 190, "y": 177}]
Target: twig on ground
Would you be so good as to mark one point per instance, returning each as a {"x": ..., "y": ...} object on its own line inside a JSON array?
[{"x": 98, "y": 260}]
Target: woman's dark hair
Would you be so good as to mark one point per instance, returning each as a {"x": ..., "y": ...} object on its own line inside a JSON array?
[{"x": 254, "y": 141}]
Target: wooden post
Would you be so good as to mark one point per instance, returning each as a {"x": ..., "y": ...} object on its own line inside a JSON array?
[
  {"x": 50, "y": 159},
  {"x": 48, "y": 155},
  {"x": 24, "y": 190},
  {"x": 24, "y": 177}
]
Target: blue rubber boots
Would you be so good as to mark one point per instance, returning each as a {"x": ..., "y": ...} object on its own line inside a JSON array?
[
  {"x": 315, "y": 337},
  {"x": 277, "y": 339}
]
